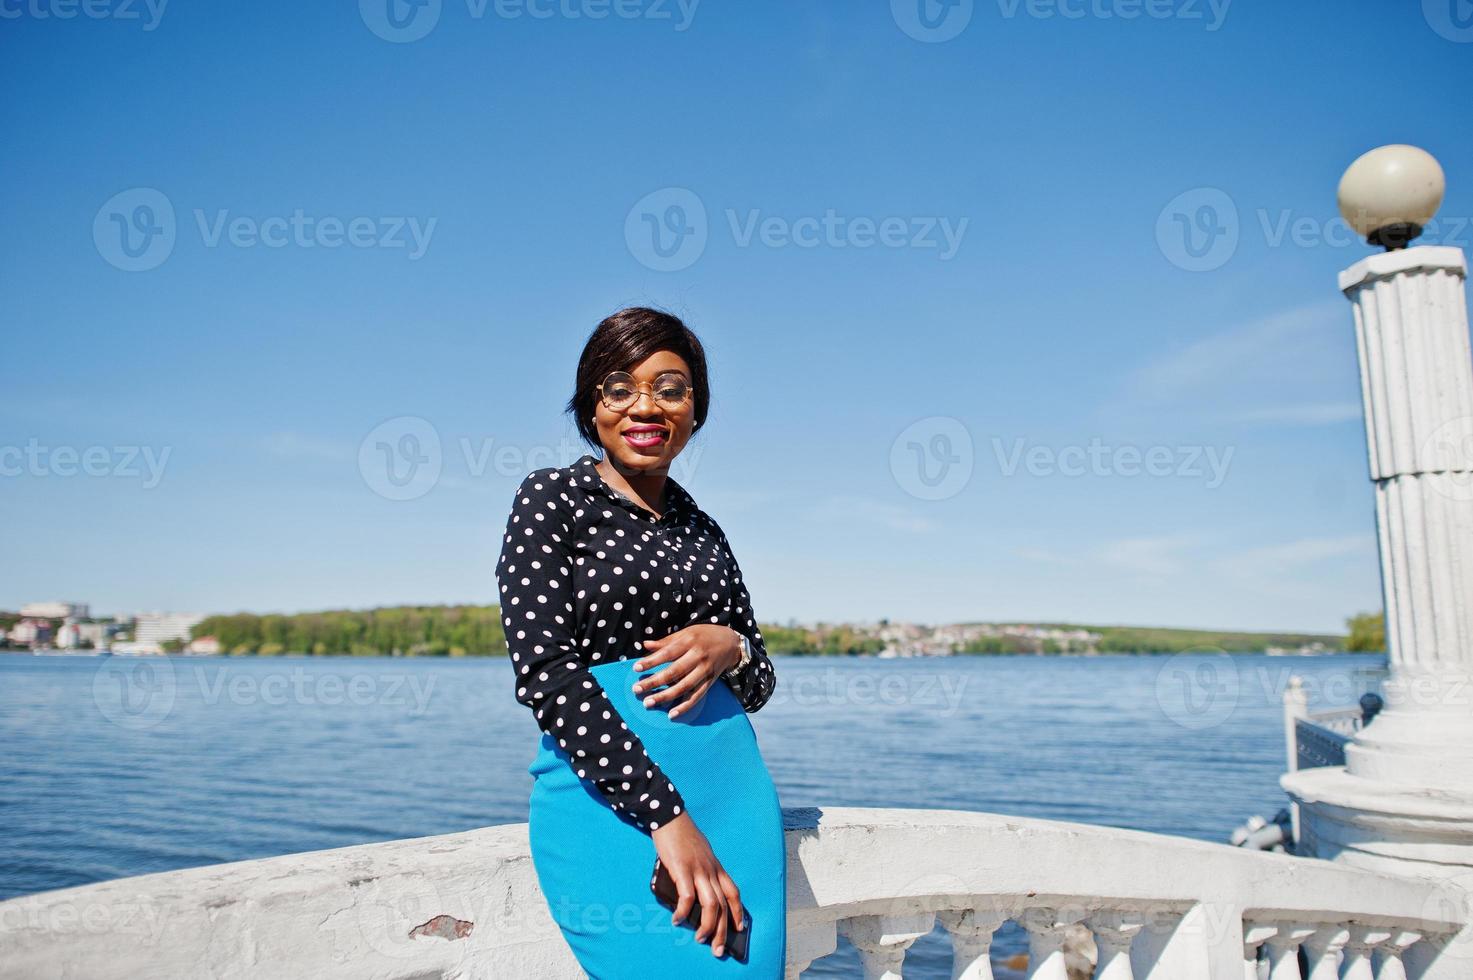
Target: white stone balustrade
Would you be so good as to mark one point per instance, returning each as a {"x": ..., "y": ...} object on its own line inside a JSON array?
[{"x": 466, "y": 906}]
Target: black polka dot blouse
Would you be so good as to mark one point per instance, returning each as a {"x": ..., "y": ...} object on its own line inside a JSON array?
[{"x": 586, "y": 574}]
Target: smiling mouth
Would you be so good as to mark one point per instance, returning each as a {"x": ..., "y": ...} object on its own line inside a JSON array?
[{"x": 644, "y": 437}]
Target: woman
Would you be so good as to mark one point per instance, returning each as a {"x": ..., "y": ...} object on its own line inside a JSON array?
[{"x": 633, "y": 641}]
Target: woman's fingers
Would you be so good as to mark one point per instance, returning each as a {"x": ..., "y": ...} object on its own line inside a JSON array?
[
  {"x": 686, "y": 889},
  {"x": 679, "y": 688},
  {"x": 670, "y": 653},
  {"x": 713, "y": 913},
  {"x": 695, "y": 698},
  {"x": 733, "y": 899}
]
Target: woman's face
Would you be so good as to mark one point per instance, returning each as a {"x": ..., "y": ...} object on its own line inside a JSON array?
[{"x": 647, "y": 435}]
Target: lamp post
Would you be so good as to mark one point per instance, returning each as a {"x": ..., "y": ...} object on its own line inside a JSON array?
[{"x": 1403, "y": 801}]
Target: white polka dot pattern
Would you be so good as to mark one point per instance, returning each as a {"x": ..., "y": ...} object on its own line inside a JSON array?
[{"x": 585, "y": 574}]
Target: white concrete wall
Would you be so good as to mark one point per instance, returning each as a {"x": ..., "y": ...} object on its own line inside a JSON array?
[{"x": 467, "y": 905}]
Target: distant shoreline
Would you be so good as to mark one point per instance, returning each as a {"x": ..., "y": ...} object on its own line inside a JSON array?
[{"x": 466, "y": 631}]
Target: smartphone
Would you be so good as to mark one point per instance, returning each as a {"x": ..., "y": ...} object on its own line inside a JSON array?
[{"x": 669, "y": 896}]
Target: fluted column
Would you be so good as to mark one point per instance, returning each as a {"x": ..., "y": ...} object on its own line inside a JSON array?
[
  {"x": 1403, "y": 801},
  {"x": 1411, "y": 327}
]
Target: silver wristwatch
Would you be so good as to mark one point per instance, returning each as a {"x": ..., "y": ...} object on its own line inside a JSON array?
[{"x": 746, "y": 657}]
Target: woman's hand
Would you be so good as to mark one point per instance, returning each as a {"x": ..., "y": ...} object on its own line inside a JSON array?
[
  {"x": 698, "y": 876},
  {"x": 697, "y": 655}
]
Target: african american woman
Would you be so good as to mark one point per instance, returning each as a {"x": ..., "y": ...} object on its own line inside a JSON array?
[{"x": 632, "y": 640}]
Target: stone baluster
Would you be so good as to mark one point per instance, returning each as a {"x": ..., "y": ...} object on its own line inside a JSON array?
[
  {"x": 1114, "y": 932},
  {"x": 883, "y": 939},
  {"x": 1254, "y": 936},
  {"x": 1322, "y": 949},
  {"x": 1389, "y": 952},
  {"x": 1046, "y": 941},
  {"x": 1360, "y": 945},
  {"x": 971, "y": 940},
  {"x": 806, "y": 943},
  {"x": 1283, "y": 950}
]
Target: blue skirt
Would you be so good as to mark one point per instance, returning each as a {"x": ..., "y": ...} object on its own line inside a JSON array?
[{"x": 594, "y": 864}]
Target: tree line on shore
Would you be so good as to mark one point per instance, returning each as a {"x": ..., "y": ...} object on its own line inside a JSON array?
[{"x": 477, "y": 631}]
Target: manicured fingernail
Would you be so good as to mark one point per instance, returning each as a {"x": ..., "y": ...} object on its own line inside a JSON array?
[
  {"x": 673, "y": 712},
  {"x": 638, "y": 666},
  {"x": 718, "y": 950},
  {"x": 649, "y": 702}
]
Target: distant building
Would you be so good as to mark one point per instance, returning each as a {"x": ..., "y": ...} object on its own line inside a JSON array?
[
  {"x": 55, "y": 610},
  {"x": 205, "y": 644},
  {"x": 74, "y": 636},
  {"x": 30, "y": 632},
  {"x": 156, "y": 629}
]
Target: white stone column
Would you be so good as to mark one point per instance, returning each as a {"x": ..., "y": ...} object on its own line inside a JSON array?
[
  {"x": 1403, "y": 802},
  {"x": 1411, "y": 326}
]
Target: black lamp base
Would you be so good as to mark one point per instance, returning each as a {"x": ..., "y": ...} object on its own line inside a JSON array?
[{"x": 1394, "y": 237}]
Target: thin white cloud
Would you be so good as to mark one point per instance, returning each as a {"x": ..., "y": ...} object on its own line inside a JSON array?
[
  {"x": 1292, "y": 368},
  {"x": 1324, "y": 413},
  {"x": 1161, "y": 555},
  {"x": 295, "y": 445},
  {"x": 872, "y": 513},
  {"x": 1194, "y": 555},
  {"x": 1301, "y": 552}
]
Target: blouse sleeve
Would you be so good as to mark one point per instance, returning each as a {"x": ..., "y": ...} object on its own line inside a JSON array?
[
  {"x": 754, "y": 683},
  {"x": 535, "y": 573}
]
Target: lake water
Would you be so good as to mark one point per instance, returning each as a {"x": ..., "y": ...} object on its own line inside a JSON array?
[{"x": 119, "y": 766}]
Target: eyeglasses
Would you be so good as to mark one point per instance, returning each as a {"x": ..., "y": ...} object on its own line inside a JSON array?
[{"x": 620, "y": 391}]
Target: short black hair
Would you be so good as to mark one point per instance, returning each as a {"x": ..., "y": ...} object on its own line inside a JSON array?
[{"x": 619, "y": 342}]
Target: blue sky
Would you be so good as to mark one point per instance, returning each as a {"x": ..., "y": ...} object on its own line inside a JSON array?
[{"x": 346, "y": 231}]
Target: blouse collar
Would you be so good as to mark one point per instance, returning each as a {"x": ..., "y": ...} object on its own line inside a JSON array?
[{"x": 678, "y": 503}]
